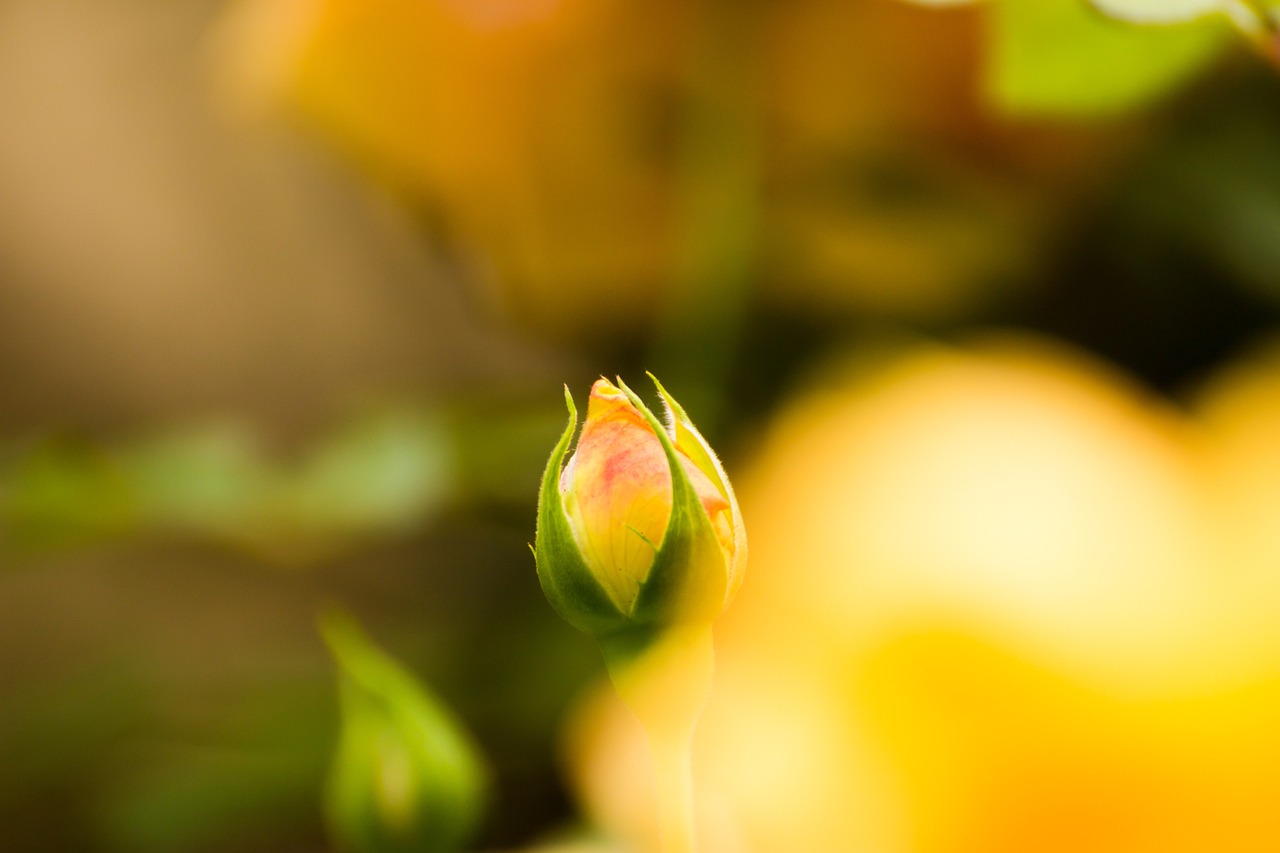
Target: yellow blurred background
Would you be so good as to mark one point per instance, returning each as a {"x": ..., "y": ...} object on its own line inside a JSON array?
[{"x": 1000, "y": 600}]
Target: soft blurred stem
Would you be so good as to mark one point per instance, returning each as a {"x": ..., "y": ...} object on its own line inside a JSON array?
[
  {"x": 673, "y": 773},
  {"x": 717, "y": 203},
  {"x": 666, "y": 683}
]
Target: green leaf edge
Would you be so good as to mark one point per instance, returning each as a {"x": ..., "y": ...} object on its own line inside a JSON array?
[{"x": 567, "y": 581}]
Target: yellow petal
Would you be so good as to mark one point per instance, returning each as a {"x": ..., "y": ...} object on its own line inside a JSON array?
[{"x": 617, "y": 490}]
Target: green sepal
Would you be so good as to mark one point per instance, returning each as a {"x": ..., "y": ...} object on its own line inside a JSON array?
[
  {"x": 704, "y": 458},
  {"x": 688, "y": 581},
  {"x": 567, "y": 580},
  {"x": 623, "y": 647}
]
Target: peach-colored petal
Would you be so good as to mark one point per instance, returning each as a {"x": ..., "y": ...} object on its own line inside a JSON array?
[{"x": 618, "y": 493}]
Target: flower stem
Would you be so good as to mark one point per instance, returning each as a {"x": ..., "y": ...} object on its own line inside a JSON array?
[
  {"x": 666, "y": 684},
  {"x": 673, "y": 777}
]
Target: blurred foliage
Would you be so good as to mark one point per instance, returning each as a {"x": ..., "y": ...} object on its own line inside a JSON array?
[
  {"x": 163, "y": 775},
  {"x": 1063, "y": 58},
  {"x": 214, "y": 482},
  {"x": 382, "y": 474},
  {"x": 1060, "y": 57},
  {"x": 250, "y": 775}
]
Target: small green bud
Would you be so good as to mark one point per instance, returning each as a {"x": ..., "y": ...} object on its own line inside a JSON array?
[{"x": 405, "y": 776}]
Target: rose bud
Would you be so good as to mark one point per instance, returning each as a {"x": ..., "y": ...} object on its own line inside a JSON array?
[{"x": 641, "y": 529}]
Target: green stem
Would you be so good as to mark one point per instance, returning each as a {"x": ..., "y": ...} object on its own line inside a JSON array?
[{"x": 673, "y": 778}]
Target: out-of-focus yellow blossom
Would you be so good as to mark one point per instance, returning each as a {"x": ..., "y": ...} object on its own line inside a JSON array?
[
  {"x": 1000, "y": 601},
  {"x": 551, "y": 140},
  {"x": 1240, "y": 410}
]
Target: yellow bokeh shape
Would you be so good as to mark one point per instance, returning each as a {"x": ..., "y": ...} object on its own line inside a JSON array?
[{"x": 1000, "y": 599}]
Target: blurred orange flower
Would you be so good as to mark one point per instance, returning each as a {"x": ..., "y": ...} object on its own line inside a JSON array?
[{"x": 577, "y": 152}]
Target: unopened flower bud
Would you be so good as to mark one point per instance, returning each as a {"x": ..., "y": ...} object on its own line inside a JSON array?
[{"x": 640, "y": 528}]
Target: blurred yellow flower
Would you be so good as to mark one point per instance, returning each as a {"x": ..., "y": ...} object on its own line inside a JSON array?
[{"x": 1001, "y": 600}]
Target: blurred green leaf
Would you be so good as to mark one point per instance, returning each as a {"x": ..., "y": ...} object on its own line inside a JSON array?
[
  {"x": 210, "y": 478},
  {"x": 203, "y": 797},
  {"x": 50, "y": 727},
  {"x": 501, "y": 447},
  {"x": 387, "y": 471},
  {"x": 64, "y": 492},
  {"x": 405, "y": 777},
  {"x": 1060, "y": 57},
  {"x": 242, "y": 766}
]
